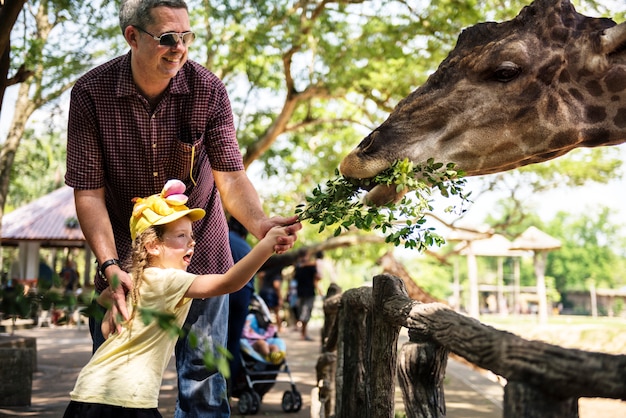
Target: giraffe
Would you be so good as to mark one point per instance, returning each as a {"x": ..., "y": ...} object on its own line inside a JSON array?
[{"x": 509, "y": 94}]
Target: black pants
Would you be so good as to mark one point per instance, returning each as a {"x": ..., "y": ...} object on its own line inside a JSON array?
[{"x": 96, "y": 410}]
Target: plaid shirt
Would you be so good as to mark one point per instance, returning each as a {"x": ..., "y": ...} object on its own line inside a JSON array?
[{"x": 117, "y": 142}]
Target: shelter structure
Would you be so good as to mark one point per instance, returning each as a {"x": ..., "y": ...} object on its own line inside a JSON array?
[
  {"x": 540, "y": 243},
  {"x": 497, "y": 246},
  {"x": 47, "y": 222}
]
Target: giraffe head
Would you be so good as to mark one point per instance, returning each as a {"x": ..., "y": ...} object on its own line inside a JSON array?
[{"x": 509, "y": 94}]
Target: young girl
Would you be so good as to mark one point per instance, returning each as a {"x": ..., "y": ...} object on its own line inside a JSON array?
[{"x": 124, "y": 376}]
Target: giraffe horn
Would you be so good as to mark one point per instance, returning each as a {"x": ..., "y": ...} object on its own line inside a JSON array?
[{"x": 614, "y": 38}]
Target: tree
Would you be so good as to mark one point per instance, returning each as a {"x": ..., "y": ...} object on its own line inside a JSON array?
[
  {"x": 590, "y": 250},
  {"x": 307, "y": 79},
  {"x": 58, "y": 40},
  {"x": 9, "y": 11}
]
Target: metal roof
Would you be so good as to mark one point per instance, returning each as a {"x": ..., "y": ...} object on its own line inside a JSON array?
[{"x": 51, "y": 220}]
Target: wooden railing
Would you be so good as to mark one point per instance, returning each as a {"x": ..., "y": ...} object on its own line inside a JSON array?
[{"x": 357, "y": 367}]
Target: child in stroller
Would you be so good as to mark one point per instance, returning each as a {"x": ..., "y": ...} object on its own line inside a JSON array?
[
  {"x": 264, "y": 340},
  {"x": 262, "y": 358}
]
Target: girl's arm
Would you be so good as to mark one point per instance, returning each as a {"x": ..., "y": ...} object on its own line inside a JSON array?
[{"x": 208, "y": 285}]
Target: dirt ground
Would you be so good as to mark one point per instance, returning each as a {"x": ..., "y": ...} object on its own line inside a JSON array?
[{"x": 469, "y": 393}]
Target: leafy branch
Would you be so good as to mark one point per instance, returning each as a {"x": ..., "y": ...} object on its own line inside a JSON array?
[{"x": 339, "y": 203}]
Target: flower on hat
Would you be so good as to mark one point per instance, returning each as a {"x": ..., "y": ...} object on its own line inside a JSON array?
[
  {"x": 161, "y": 204},
  {"x": 161, "y": 208}
]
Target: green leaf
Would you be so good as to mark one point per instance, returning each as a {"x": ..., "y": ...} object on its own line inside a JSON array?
[{"x": 337, "y": 203}]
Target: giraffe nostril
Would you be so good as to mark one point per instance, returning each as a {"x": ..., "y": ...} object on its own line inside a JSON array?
[{"x": 367, "y": 142}]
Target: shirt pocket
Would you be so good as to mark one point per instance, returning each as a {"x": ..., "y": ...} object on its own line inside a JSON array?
[{"x": 186, "y": 156}]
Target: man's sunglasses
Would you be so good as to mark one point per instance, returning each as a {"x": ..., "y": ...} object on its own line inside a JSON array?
[{"x": 171, "y": 38}]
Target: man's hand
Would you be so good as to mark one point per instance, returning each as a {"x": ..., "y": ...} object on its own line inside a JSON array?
[{"x": 119, "y": 284}]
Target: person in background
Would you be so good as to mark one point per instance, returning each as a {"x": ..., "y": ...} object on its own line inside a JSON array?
[
  {"x": 325, "y": 268},
  {"x": 263, "y": 339},
  {"x": 124, "y": 376},
  {"x": 292, "y": 302},
  {"x": 308, "y": 279},
  {"x": 238, "y": 301},
  {"x": 135, "y": 122},
  {"x": 271, "y": 291},
  {"x": 69, "y": 276}
]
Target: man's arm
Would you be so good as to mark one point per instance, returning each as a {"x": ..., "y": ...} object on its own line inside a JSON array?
[
  {"x": 241, "y": 200},
  {"x": 96, "y": 226}
]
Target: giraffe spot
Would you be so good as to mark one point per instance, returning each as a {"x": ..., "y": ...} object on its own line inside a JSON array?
[
  {"x": 595, "y": 114},
  {"x": 620, "y": 118},
  {"x": 594, "y": 137},
  {"x": 594, "y": 88},
  {"x": 547, "y": 73},
  {"x": 531, "y": 93},
  {"x": 528, "y": 112},
  {"x": 616, "y": 81},
  {"x": 559, "y": 34},
  {"x": 552, "y": 106},
  {"x": 576, "y": 94},
  {"x": 564, "y": 77},
  {"x": 563, "y": 139}
]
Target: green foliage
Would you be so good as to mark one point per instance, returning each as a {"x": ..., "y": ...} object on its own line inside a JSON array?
[
  {"x": 583, "y": 166},
  {"x": 345, "y": 65},
  {"x": 218, "y": 360},
  {"x": 337, "y": 204},
  {"x": 14, "y": 303},
  {"x": 590, "y": 245},
  {"x": 430, "y": 275},
  {"x": 38, "y": 167},
  {"x": 165, "y": 321}
]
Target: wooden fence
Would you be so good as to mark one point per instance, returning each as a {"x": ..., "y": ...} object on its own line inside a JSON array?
[{"x": 356, "y": 371}]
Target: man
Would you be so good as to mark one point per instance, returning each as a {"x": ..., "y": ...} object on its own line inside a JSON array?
[{"x": 136, "y": 122}]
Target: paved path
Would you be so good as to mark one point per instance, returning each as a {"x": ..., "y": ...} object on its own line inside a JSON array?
[{"x": 63, "y": 351}]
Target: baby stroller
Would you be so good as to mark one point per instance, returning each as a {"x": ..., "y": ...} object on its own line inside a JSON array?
[{"x": 259, "y": 375}]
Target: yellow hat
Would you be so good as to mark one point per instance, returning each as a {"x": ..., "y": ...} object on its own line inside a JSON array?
[{"x": 162, "y": 208}]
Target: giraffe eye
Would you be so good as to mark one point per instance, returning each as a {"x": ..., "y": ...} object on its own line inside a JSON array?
[{"x": 506, "y": 72}]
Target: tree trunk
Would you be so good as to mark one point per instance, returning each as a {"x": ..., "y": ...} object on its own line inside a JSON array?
[
  {"x": 23, "y": 109},
  {"x": 9, "y": 11}
]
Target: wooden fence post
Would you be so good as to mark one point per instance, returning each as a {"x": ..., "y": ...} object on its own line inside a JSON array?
[
  {"x": 326, "y": 367},
  {"x": 352, "y": 380},
  {"x": 421, "y": 370},
  {"x": 523, "y": 400},
  {"x": 384, "y": 352}
]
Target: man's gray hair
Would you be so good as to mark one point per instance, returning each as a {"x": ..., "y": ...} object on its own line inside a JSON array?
[{"x": 137, "y": 12}]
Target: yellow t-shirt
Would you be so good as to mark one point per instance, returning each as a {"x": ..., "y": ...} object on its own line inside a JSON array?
[{"x": 128, "y": 368}]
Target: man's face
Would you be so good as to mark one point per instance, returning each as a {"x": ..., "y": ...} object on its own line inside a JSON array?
[{"x": 156, "y": 63}]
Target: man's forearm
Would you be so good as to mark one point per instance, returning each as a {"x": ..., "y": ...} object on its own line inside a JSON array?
[
  {"x": 241, "y": 200},
  {"x": 95, "y": 223}
]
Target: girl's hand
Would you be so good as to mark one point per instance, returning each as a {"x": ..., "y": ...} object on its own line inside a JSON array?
[
  {"x": 277, "y": 236},
  {"x": 291, "y": 225}
]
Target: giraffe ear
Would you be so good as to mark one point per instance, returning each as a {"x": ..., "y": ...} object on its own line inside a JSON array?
[{"x": 614, "y": 39}]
